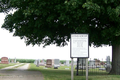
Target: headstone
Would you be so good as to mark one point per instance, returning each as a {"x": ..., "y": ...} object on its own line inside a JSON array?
[
  {"x": 108, "y": 60},
  {"x": 82, "y": 63},
  {"x": 92, "y": 64},
  {"x": 9, "y": 60},
  {"x": 15, "y": 60},
  {"x": 108, "y": 65},
  {"x": 56, "y": 63},
  {"x": 49, "y": 63},
  {"x": 35, "y": 62},
  {"x": 97, "y": 62},
  {"x": 42, "y": 63},
  {"x": 67, "y": 63},
  {"x": 4, "y": 60},
  {"x": 38, "y": 62}
]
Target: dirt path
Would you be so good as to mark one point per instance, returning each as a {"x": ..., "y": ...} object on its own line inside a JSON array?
[
  {"x": 20, "y": 73},
  {"x": 24, "y": 67}
]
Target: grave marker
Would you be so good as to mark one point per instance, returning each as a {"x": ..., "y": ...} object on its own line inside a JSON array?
[
  {"x": 49, "y": 63},
  {"x": 4, "y": 60},
  {"x": 38, "y": 62},
  {"x": 56, "y": 63},
  {"x": 9, "y": 60},
  {"x": 42, "y": 63},
  {"x": 91, "y": 62},
  {"x": 15, "y": 60},
  {"x": 35, "y": 62},
  {"x": 108, "y": 65},
  {"x": 67, "y": 63},
  {"x": 82, "y": 63}
]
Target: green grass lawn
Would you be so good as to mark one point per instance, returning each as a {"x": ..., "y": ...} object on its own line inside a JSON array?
[
  {"x": 6, "y": 65},
  {"x": 65, "y": 74}
]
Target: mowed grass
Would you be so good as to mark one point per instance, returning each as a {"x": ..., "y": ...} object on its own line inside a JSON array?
[
  {"x": 64, "y": 73},
  {"x": 6, "y": 65}
]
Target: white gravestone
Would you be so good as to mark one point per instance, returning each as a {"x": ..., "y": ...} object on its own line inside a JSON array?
[
  {"x": 108, "y": 65},
  {"x": 38, "y": 62},
  {"x": 56, "y": 63},
  {"x": 67, "y": 63},
  {"x": 9, "y": 60},
  {"x": 42, "y": 63},
  {"x": 15, "y": 60},
  {"x": 91, "y": 62},
  {"x": 35, "y": 62}
]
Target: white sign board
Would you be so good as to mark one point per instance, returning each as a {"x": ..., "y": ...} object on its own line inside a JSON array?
[{"x": 79, "y": 46}]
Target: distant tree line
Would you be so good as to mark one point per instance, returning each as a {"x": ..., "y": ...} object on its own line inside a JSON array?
[{"x": 25, "y": 60}]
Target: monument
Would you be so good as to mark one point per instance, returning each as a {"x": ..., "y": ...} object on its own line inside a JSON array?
[
  {"x": 49, "y": 63},
  {"x": 67, "y": 63},
  {"x": 42, "y": 63},
  {"x": 38, "y": 62},
  {"x": 4, "y": 60},
  {"x": 56, "y": 63},
  {"x": 108, "y": 65}
]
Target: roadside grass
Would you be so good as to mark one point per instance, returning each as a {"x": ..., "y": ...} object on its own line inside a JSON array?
[
  {"x": 19, "y": 65},
  {"x": 65, "y": 74},
  {"x": 16, "y": 67},
  {"x": 7, "y": 65}
]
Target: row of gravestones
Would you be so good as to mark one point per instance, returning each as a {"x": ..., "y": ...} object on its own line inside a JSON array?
[
  {"x": 107, "y": 65},
  {"x": 5, "y": 60},
  {"x": 50, "y": 63}
]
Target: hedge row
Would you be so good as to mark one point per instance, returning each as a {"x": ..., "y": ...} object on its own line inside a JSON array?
[{"x": 25, "y": 60}]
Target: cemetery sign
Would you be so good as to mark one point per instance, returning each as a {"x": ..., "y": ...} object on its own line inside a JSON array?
[{"x": 79, "y": 46}]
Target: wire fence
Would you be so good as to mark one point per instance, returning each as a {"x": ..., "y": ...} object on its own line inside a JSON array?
[{"x": 95, "y": 67}]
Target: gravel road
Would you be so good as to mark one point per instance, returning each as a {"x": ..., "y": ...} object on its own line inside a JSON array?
[{"x": 20, "y": 73}]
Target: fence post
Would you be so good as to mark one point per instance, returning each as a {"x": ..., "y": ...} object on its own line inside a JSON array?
[{"x": 86, "y": 68}]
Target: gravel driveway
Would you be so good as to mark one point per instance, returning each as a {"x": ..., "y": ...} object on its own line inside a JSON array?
[{"x": 20, "y": 73}]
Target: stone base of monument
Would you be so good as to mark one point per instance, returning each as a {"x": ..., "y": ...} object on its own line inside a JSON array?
[
  {"x": 55, "y": 67},
  {"x": 49, "y": 66},
  {"x": 103, "y": 69},
  {"x": 42, "y": 64},
  {"x": 108, "y": 67}
]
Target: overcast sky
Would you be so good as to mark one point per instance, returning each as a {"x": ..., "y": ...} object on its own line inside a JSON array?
[{"x": 14, "y": 47}]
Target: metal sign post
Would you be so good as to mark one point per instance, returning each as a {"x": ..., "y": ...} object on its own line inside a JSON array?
[
  {"x": 86, "y": 69},
  {"x": 72, "y": 69}
]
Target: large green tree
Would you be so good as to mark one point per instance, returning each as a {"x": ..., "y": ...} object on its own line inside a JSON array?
[{"x": 51, "y": 22}]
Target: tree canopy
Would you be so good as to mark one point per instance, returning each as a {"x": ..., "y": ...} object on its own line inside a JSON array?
[{"x": 51, "y": 21}]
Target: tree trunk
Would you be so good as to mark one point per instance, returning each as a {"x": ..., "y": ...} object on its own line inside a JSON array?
[{"x": 115, "y": 60}]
